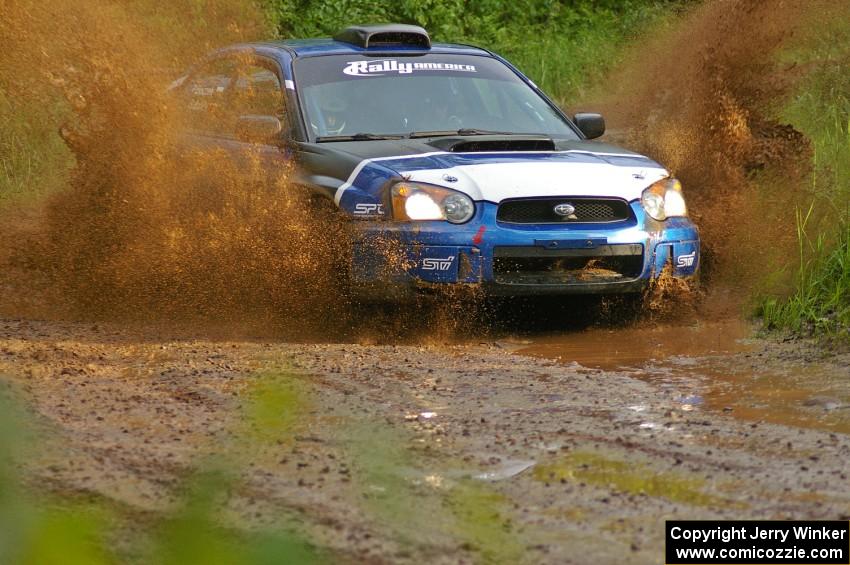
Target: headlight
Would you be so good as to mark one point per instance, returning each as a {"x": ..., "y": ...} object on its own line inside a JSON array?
[
  {"x": 414, "y": 201},
  {"x": 664, "y": 199}
]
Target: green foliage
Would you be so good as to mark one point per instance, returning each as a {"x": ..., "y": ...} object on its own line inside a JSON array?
[
  {"x": 276, "y": 403},
  {"x": 419, "y": 507},
  {"x": 480, "y": 519},
  {"x": 66, "y": 537},
  {"x": 192, "y": 536},
  {"x": 43, "y": 529},
  {"x": 627, "y": 476},
  {"x": 38, "y": 533},
  {"x": 820, "y": 302}
]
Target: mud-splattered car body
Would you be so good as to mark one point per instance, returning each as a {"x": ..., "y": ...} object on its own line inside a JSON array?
[{"x": 459, "y": 161}]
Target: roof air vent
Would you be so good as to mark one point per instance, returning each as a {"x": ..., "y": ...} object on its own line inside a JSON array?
[{"x": 382, "y": 35}]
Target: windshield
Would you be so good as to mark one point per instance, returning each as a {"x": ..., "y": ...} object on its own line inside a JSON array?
[{"x": 346, "y": 95}]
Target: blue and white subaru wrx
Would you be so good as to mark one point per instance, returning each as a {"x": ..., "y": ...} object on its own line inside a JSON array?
[{"x": 451, "y": 152}]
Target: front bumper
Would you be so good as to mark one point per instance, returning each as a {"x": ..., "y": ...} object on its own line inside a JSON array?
[{"x": 523, "y": 259}]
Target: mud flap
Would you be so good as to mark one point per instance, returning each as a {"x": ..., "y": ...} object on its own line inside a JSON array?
[
  {"x": 682, "y": 256},
  {"x": 446, "y": 264},
  {"x": 435, "y": 264}
]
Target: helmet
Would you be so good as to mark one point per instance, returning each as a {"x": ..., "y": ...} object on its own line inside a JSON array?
[{"x": 333, "y": 109}]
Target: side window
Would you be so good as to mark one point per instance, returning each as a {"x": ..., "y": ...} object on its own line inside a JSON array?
[
  {"x": 257, "y": 92},
  {"x": 206, "y": 96}
]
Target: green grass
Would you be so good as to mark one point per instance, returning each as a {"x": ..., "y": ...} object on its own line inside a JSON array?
[
  {"x": 33, "y": 158},
  {"x": 626, "y": 476},
  {"x": 820, "y": 303},
  {"x": 820, "y": 300}
]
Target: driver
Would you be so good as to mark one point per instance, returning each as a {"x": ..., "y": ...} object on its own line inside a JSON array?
[
  {"x": 445, "y": 108},
  {"x": 333, "y": 108}
]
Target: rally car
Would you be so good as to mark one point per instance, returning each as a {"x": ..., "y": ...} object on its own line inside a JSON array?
[{"x": 453, "y": 154}]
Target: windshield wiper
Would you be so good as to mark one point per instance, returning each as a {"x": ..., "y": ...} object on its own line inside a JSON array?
[
  {"x": 358, "y": 137},
  {"x": 462, "y": 131}
]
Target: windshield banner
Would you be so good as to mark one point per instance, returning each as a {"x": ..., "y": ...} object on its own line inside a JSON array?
[{"x": 379, "y": 68}]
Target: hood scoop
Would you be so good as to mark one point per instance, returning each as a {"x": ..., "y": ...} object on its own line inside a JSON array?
[{"x": 494, "y": 143}]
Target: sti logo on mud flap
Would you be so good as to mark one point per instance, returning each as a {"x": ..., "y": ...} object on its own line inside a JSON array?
[
  {"x": 438, "y": 264},
  {"x": 686, "y": 260},
  {"x": 366, "y": 209},
  {"x": 378, "y": 68}
]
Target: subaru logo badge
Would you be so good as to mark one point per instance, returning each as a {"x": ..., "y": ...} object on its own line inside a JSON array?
[{"x": 565, "y": 210}]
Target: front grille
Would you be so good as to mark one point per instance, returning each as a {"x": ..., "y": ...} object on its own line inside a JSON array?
[
  {"x": 537, "y": 266},
  {"x": 542, "y": 211}
]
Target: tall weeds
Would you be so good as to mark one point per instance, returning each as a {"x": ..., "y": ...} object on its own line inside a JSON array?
[{"x": 819, "y": 301}]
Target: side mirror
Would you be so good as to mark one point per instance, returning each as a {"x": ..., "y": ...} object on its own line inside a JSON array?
[
  {"x": 591, "y": 125},
  {"x": 258, "y": 129}
]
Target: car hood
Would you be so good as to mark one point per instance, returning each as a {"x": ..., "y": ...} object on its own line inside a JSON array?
[
  {"x": 573, "y": 168},
  {"x": 496, "y": 177}
]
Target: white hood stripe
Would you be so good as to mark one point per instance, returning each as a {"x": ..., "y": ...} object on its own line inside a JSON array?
[
  {"x": 422, "y": 174},
  {"x": 353, "y": 176}
]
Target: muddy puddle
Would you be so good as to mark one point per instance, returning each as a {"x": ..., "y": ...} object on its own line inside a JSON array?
[{"x": 715, "y": 366}]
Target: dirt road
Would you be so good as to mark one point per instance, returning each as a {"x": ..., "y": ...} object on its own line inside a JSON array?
[{"x": 554, "y": 449}]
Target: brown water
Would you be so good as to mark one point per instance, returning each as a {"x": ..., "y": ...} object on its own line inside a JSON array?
[
  {"x": 611, "y": 349},
  {"x": 716, "y": 366}
]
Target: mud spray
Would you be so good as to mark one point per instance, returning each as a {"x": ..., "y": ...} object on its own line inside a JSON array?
[
  {"x": 149, "y": 229},
  {"x": 146, "y": 228},
  {"x": 147, "y": 233},
  {"x": 703, "y": 99}
]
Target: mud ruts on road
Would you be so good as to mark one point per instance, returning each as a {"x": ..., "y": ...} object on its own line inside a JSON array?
[{"x": 404, "y": 453}]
